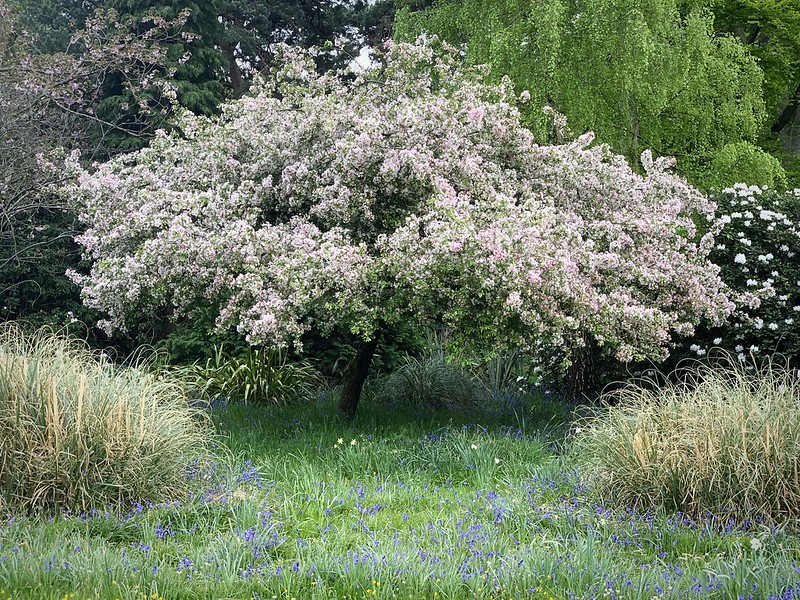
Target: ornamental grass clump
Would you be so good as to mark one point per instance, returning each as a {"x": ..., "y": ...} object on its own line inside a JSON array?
[
  {"x": 428, "y": 382},
  {"x": 724, "y": 438},
  {"x": 77, "y": 431}
]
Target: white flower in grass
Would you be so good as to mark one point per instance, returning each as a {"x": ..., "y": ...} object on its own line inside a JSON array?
[
  {"x": 353, "y": 442},
  {"x": 497, "y": 461},
  {"x": 739, "y": 348},
  {"x": 773, "y": 326},
  {"x": 740, "y": 259},
  {"x": 474, "y": 446},
  {"x": 753, "y": 349},
  {"x": 717, "y": 341},
  {"x": 755, "y": 544}
]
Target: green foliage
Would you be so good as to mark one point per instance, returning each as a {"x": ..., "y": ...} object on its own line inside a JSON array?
[
  {"x": 722, "y": 439},
  {"x": 79, "y": 432},
  {"x": 193, "y": 66},
  {"x": 744, "y": 162},
  {"x": 261, "y": 376},
  {"x": 52, "y": 22},
  {"x": 771, "y": 30},
  {"x": 427, "y": 382},
  {"x": 640, "y": 75}
]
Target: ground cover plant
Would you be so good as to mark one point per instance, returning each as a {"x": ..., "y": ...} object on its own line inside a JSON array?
[
  {"x": 77, "y": 430},
  {"x": 416, "y": 504},
  {"x": 255, "y": 375}
]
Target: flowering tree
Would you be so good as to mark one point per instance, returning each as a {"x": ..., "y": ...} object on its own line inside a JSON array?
[
  {"x": 48, "y": 101},
  {"x": 411, "y": 192}
]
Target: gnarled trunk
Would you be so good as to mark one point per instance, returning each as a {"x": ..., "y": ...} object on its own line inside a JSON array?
[
  {"x": 582, "y": 373},
  {"x": 356, "y": 376}
]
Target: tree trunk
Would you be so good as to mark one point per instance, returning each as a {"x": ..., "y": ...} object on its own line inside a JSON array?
[
  {"x": 234, "y": 72},
  {"x": 356, "y": 376},
  {"x": 167, "y": 322},
  {"x": 788, "y": 114},
  {"x": 582, "y": 372}
]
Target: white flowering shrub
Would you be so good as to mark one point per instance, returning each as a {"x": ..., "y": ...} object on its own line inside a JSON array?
[
  {"x": 412, "y": 192},
  {"x": 757, "y": 249}
]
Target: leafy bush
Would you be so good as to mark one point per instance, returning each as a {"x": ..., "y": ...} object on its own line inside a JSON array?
[
  {"x": 756, "y": 251},
  {"x": 735, "y": 161},
  {"x": 722, "y": 439},
  {"x": 78, "y": 431},
  {"x": 264, "y": 376}
]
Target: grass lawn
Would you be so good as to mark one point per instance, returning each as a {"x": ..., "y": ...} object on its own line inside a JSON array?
[{"x": 430, "y": 505}]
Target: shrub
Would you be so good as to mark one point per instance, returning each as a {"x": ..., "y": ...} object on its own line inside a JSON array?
[
  {"x": 721, "y": 439},
  {"x": 258, "y": 375},
  {"x": 756, "y": 251},
  {"x": 427, "y": 382},
  {"x": 78, "y": 431},
  {"x": 739, "y": 160}
]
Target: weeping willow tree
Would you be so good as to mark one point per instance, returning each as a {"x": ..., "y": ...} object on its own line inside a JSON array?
[{"x": 639, "y": 73}]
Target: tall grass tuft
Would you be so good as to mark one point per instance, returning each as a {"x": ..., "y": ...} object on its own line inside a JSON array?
[
  {"x": 427, "y": 382},
  {"x": 722, "y": 439},
  {"x": 77, "y": 431}
]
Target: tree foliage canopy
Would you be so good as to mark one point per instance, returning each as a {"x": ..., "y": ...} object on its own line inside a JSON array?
[
  {"x": 643, "y": 74},
  {"x": 413, "y": 192}
]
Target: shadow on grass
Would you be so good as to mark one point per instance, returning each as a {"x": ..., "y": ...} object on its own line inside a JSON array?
[{"x": 254, "y": 428}]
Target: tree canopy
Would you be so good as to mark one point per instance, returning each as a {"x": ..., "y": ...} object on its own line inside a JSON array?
[
  {"x": 652, "y": 74},
  {"x": 47, "y": 102},
  {"x": 412, "y": 192}
]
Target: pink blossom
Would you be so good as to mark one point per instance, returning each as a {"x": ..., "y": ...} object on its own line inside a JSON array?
[{"x": 333, "y": 204}]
